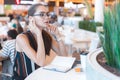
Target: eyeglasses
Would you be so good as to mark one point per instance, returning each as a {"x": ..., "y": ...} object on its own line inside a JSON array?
[{"x": 42, "y": 14}]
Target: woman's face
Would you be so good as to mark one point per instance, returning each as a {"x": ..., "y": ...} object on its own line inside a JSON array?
[{"x": 41, "y": 17}]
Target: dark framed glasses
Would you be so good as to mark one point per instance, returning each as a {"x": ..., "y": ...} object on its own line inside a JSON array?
[{"x": 42, "y": 14}]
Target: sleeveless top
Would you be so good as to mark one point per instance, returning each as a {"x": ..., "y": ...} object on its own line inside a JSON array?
[{"x": 23, "y": 66}]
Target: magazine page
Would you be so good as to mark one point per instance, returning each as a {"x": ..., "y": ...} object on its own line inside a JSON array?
[{"x": 61, "y": 64}]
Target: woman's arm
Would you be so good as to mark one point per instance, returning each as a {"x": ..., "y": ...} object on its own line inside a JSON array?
[
  {"x": 23, "y": 44},
  {"x": 59, "y": 47},
  {"x": 57, "y": 44}
]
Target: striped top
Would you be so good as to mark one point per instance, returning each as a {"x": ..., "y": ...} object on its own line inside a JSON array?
[
  {"x": 8, "y": 50},
  {"x": 23, "y": 66}
]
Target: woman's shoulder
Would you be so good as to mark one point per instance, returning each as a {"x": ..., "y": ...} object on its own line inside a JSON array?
[
  {"x": 21, "y": 37},
  {"x": 21, "y": 42}
]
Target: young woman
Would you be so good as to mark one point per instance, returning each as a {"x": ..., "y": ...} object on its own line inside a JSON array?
[{"x": 33, "y": 46}]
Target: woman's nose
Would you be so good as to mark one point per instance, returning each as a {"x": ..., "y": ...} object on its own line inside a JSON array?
[{"x": 46, "y": 17}]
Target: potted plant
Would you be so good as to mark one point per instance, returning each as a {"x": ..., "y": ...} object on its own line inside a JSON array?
[
  {"x": 110, "y": 40},
  {"x": 77, "y": 14},
  {"x": 89, "y": 25}
]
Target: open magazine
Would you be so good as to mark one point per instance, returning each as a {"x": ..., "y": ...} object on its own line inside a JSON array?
[{"x": 61, "y": 64}]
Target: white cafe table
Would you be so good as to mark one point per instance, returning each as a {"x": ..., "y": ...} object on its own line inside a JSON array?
[
  {"x": 43, "y": 74},
  {"x": 80, "y": 39}
]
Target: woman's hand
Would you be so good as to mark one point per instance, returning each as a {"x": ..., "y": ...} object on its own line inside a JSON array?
[
  {"x": 33, "y": 27},
  {"x": 52, "y": 29}
]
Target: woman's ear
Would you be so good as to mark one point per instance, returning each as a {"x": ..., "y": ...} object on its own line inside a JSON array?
[{"x": 30, "y": 18}]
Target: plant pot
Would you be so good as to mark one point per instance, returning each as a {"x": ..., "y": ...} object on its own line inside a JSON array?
[{"x": 94, "y": 71}]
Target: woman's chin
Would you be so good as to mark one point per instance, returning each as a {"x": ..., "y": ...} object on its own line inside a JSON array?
[{"x": 46, "y": 25}]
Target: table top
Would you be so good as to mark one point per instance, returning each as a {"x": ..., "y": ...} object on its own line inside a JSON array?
[
  {"x": 78, "y": 37},
  {"x": 43, "y": 74}
]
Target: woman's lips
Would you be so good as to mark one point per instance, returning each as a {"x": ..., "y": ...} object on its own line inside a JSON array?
[{"x": 46, "y": 21}]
